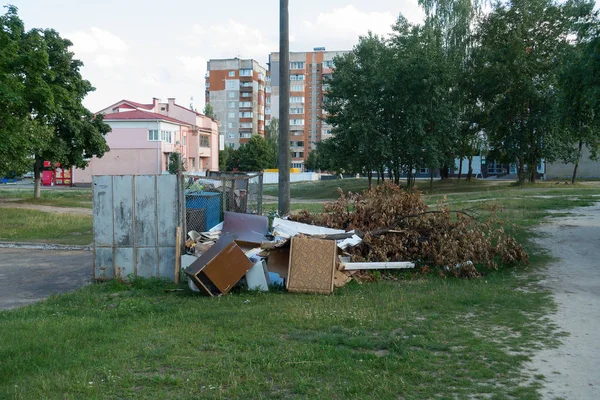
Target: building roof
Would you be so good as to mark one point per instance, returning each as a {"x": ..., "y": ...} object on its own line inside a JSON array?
[
  {"x": 139, "y": 105},
  {"x": 141, "y": 115}
]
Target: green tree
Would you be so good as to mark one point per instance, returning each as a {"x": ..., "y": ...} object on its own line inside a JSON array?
[
  {"x": 256, "y": 155},
  {"x": 20, "y": 136},
  {"x": 229, "y": 159},
  {"x": 515, "y": 74},
  {"x": 56, "y": 100},
  {"x": 312, "y": 163},
  {"x": 272, "y": 136},
  {"x": 354, "y": 105},
  {"x": 209, "y": 111},
  {"x": 175, "y": 163},
  {"x": 45, "y": 89},
  {"x": 579, "y": 86}
]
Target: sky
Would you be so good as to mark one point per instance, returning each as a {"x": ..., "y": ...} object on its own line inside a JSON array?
[{"x": 138, "y": 50}]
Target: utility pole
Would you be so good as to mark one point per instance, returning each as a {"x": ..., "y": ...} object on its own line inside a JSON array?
[{"x": 284, "y": 108}]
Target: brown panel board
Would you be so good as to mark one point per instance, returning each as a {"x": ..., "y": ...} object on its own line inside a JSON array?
[
  {"x": 220, "y": 267},
  {"x": 279, "y": 261},
  {"x": 312, "y": 265}
]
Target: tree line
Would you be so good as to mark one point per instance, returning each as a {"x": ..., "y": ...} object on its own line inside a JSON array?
[
  {"x": 41, "y": 91},
  {"x": 518, "y": 83}
]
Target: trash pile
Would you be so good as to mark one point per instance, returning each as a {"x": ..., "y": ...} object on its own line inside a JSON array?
[
  {"x": 302, "y": 258},
  {"x": 384, "y": 228}
]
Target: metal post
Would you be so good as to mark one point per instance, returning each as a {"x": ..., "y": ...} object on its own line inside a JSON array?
[
  {"x": 284, "y": 109},
  {"x": 260, "y": 193}
]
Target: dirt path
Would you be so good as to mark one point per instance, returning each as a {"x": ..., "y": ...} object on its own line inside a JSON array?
[
  {"x": 12, "y": 203},
  {"x": 572, "y": 371}
]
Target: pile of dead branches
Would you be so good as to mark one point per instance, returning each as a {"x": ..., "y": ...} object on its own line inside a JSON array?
[{"x": 397, "y": 225}]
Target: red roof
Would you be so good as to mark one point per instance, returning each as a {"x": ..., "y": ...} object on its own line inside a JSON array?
[
  {"x": 139, "y": 114},
  {"x": 140, "y": 105}
]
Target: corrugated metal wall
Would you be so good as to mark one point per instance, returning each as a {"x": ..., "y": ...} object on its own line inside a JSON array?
[{"x": 135, "y": 222}]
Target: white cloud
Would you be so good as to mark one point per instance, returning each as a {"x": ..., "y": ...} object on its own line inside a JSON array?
[
  {"x": 108, "y": 61},
  {"x": 231, "y": 39},
  {"x": 97, "y": 39},
  {"x": 348, "y": 21},
  {"x": 151, "y": 79},
  {"x": 342, "y": 26},
  {"x": 192, "y": 67}
]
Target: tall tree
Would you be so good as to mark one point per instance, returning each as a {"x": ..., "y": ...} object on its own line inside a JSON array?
[
  {"x": 20, "y": 136},
  {"x": 354, "y": 106},
  {"x": 579, "y": 87},
  {"x": 41, "y": 105},
  {"x": 77, "y": 134},
  {"x": 515, "y": 75}
]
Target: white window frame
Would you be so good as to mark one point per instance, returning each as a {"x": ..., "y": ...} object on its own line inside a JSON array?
[{"x": 153, "y": 135}]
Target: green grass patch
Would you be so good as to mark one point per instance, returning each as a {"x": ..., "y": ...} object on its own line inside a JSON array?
[
  {"x": 312, "y": 207},
  {"x": 37, "y": 226},
  {"x": 57, "y": 198},
  {"x": 415, "y": 338},
  {"x": 320, "y": 189}
]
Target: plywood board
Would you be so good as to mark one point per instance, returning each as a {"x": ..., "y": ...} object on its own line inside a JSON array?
[
  {"x": 312, "y": 265},
  {"x": 220, "y": 267}
]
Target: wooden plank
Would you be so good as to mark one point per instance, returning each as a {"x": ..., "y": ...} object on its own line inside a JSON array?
[{"x": 177, "y": 254}]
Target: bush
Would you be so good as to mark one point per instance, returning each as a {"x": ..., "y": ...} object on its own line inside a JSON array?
[{"x": 397, "y": 225}]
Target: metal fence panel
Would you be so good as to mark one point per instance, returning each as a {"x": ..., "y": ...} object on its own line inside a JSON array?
[
  {"x": 135, "y": 222},
  {"x": 146, "y": 229},
  {"x": 103, "y": 211},
  {"x": 147, "y": 262},
  {"x": 123, "y": 210},
  {"x": 103, "y": 263},
  {"x": 167, "y": 195},
  {"x": 124, "y": 262}
]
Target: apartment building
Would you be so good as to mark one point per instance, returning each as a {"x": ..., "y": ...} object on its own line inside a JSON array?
[
  {"x": 145, "y": 134},
  {"x": 308, "y": 74},
  {"x": 235, "y": 88}
]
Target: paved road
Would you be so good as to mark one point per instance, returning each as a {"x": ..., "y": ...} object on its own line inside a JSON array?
[
  {"x": 27, "y": 276},
  {"x": 573, "y": 370}
]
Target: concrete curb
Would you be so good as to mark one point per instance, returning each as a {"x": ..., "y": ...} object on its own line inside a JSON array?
[{"x": 42, "y": 246}]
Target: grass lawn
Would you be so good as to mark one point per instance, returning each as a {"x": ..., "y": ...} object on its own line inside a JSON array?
[
  {"x": 58, "y": 198},
  {"x": 415, "y": 338},
  {"x": 37, "y": 226}
]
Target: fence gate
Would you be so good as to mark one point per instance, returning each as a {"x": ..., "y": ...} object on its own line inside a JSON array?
[{"x": 135, "y": 223}]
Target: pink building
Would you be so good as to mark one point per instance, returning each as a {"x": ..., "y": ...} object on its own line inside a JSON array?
[{"x": 144, "y": 135}]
